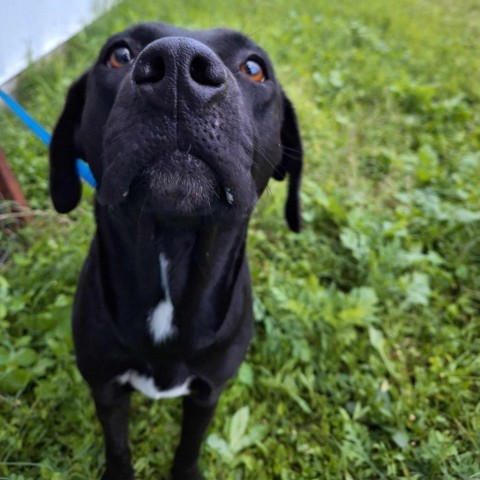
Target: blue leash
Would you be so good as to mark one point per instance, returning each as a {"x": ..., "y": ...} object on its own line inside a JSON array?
[{"x": 83, "y": 169}]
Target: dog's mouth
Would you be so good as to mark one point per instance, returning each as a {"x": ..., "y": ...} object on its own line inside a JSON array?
[
  {"x": 178, "y": 184},
  {"x": 176, "y": 172},
  {"x": 185, "y": 184}
]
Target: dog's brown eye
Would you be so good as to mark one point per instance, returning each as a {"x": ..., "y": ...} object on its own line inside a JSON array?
[
  {"x": 253, "y": 70},
  {"x": 119, "y": 57}
]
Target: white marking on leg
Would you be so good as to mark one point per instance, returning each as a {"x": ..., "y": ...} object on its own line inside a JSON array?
[
  {"x": 146, "y": 385},
  {"x": 161, "y": 318}
]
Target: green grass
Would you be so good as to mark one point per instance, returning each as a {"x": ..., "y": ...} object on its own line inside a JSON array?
[{"x": 366, "y": 362}]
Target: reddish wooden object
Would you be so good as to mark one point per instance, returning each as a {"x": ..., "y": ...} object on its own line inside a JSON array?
[{"x": 9, "y": 187}]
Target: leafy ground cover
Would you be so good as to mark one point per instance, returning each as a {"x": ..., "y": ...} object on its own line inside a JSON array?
[{"x": 365, "y": 363}]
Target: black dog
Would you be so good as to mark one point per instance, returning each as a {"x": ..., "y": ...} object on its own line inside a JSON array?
[{"x": 182, "y": 130}]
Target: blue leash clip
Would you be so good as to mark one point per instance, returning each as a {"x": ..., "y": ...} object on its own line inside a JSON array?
[{"x": 83, "y": 169}]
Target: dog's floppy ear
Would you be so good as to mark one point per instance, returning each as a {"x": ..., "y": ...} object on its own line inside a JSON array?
[
  {"x": 65, "y": 186},
  {"x": 291, "y": 164}
]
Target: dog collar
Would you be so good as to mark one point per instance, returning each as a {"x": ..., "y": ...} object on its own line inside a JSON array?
[{"x": 83, "y": 169}]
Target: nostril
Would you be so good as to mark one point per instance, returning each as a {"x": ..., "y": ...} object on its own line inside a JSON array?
[
  {"x": 205, "y": 72},
  {"x": 150, "y": 71}
]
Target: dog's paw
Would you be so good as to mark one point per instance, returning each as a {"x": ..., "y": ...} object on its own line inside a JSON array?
[
  {"x": 113, "y": 476},
  {"x": 110, "y": 476},
  {"x": 191, "y": 474},
  {"x": 118, "y": 474}
]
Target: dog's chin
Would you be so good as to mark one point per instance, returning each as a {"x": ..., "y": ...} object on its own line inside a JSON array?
[
  {"x": 182, "y": 193},
  {"x": 180, "y": 186}
]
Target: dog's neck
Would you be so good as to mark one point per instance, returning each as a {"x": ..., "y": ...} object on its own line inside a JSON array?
[{"x": 204, "y": 261}]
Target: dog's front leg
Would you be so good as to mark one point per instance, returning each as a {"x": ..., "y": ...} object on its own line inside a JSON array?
[
  {"x": 197, "y": 415},
  {"x": 112, "y": 403}
]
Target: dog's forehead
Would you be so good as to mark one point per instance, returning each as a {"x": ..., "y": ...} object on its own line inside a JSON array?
[{"x": 222, "y": 40}]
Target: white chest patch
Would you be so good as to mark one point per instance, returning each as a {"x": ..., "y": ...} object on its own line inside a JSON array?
[
  {"x": 161, "y": 318},
  {"x": 146, "y": 385}
]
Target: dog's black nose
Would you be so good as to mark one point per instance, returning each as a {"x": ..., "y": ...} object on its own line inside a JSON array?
[{"x": 177, "y": 65}]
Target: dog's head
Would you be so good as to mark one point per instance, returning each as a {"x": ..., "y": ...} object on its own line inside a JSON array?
[{"x": 188, "y": 123}]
